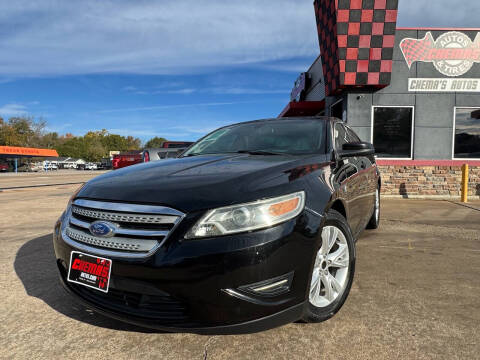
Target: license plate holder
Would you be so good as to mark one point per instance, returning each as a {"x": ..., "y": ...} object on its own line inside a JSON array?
[{"x": 89, "y": 270}]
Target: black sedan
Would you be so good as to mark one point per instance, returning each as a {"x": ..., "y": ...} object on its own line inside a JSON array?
[{"x": 252, "y": 227}]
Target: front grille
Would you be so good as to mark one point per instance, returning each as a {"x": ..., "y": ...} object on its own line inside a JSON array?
[
  {"x": 139, "y": 229},
  {"x": 120, "y": 217},
  {"x": 113, "y": 243},
  {"x": 162, "y": 308}
]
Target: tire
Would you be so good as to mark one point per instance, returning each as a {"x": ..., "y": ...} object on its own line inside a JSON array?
[
  {"x": 374, "y": 221},
  {"x": 318, "y": 308}
]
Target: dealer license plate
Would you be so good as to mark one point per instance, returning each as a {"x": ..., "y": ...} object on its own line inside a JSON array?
[{"x": 88, "y": 270}]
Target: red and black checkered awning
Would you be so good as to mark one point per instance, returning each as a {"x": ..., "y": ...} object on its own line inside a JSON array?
[{"x": 356, "y": 38}]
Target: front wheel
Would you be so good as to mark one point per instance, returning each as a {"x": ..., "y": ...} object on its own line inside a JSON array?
[{"x": 333, "y": 270}]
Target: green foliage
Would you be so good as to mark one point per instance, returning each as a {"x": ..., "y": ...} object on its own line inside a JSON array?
[
  {"x": 93, "y": 146},
  {"x": 21, "y": 131},
  {"x": 155, "y": 142}
]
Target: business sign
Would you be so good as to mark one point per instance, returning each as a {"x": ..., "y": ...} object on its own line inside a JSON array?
[
  {"x": 299, "y": 87},
  {"x": 452, "y": 54},
  {"x": 444, "y": 85},
  {"x": 24, "y": 151}
]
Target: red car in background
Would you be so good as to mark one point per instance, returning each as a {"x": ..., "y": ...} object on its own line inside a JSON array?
[
  {"x": 3, "y": 167},
  {"x": 176, "y": 144},
  {"x": 126, "y": 159},
  {"x": 135, "y": 157}
]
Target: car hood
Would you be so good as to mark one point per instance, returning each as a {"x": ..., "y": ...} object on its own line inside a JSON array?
[{"x": 201, "y": 182}]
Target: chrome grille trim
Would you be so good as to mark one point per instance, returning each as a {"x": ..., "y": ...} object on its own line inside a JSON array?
[
  {"x": 135, "y": 208},
  {"x": 130, "y": 239},
  {"x": 116, "y": 243},
  {"x": 122, "y": 231},
  {"x": 131, "y": 218}
]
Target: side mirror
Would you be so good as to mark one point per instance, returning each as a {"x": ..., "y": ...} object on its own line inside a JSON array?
[{"x": 356, "y": 149}]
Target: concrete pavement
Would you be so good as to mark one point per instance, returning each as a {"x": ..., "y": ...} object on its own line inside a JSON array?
[{"x": 415, "y": 295}]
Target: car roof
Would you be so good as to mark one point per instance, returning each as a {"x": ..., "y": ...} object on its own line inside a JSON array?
[{"x": 299, "y": 118}]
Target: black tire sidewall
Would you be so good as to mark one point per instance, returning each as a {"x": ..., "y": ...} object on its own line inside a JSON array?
[{"x": 317, "y": 314}]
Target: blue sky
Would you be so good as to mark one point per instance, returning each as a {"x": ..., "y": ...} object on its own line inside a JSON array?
[{"x": 176, "y": 69}]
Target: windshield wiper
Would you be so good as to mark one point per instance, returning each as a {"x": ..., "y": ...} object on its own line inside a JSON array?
[{"x": 260, "y": 152}]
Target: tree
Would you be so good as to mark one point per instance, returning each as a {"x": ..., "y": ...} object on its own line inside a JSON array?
[
  {"x": 155, "y": 142},
  {"x": 94, "y": 145}
]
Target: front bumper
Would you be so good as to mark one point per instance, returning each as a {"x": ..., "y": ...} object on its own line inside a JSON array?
[{"x": 182, "y": 286}]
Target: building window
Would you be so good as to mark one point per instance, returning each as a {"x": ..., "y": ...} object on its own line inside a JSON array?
[
  {"x": 467, "y": 133},
  {"x": 392, "y": 131}
]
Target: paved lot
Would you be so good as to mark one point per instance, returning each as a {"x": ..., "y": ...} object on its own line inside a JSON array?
[
  {"x": 416, "y": 295},
  {"x": 9, "y": 180}
]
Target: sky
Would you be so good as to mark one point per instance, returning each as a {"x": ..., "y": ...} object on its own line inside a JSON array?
[{"x": 176, "y": 69}]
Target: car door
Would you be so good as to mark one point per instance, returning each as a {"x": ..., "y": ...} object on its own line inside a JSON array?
[
  {"x": 346, "y": 177},
  {"x": 366, "y": 181}
]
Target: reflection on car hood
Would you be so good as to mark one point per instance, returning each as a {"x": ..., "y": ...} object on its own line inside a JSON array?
[{"x": 199, "y": 182}]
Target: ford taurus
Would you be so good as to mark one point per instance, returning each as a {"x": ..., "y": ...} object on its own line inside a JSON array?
[{"x": 252, "y": 227}]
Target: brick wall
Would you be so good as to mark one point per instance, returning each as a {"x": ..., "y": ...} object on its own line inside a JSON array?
[{"x": 427, "y": 181}]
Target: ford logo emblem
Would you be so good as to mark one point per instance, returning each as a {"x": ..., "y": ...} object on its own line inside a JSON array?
[{"x": 102, "y": 229}]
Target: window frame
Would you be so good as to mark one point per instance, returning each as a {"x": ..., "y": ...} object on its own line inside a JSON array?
[
  {"x": 339, "y": 123},
  {"x": 335, "y": 104},
  {"x": 412, "y": 136},
  {"x": 454, "y": 129}
]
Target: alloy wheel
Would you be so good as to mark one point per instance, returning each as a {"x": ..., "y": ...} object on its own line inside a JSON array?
[{"x": 330, "y": 271}]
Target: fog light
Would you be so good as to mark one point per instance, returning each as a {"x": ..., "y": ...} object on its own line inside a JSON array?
[{"x": 271, "y": 287}]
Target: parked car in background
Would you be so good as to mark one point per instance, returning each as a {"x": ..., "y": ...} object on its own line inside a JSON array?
[
  {"x": 36, "y": 167},
  {"x": 105, "y": 164},
  {"x": 254, "y": 226},
  {"x": 30, "y": 167},
  {"x": 161, "y": 154},
  {"x": 176, "y": 144},
  {"x": 49, "y": 166},
  {"x": 71, "y": 163},
  {"x": 126, "y": 159},
  {"x": 3, "y": 167},
  {"x": 90, "y": 166}
]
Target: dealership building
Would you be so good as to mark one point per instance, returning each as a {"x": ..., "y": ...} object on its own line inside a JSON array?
[{"x": 413, "y": 92}]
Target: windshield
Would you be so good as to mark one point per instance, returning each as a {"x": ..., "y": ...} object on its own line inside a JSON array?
[{"x": 294, "y": 137}]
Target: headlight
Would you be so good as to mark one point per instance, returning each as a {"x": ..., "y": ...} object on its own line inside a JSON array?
[{"x": 247, "y": 217}]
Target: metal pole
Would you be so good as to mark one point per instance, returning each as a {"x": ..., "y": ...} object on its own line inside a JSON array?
[
  {"x": 464, "y": 183},
  {"x": 16, "y": 165}
]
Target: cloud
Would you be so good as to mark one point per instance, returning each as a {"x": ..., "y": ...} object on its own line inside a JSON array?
[
  {"x": 13, "y": 110},
  {"x": 438, "y": 13},
  {"x": 223, "y": 90},
  {"x": 56, "y": 37},
  {"x": 185, "y": 91},
  {"x": 146, "y": 133},
  {"x": 193, "y": 130},
  {"x": 160, "y": 107},
  {"x": 246, "y": 91}
]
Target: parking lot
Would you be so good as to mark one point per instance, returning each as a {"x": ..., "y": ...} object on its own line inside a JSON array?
[{"x": 415, "y": 295}]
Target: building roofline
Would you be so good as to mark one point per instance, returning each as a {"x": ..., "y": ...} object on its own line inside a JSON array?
[
  {"x": 438, "y": 28},
  {"x": 314, "y": 61}
]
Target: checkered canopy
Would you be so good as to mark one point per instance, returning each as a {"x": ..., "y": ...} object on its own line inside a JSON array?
[{"x": 356, "y": 38}]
